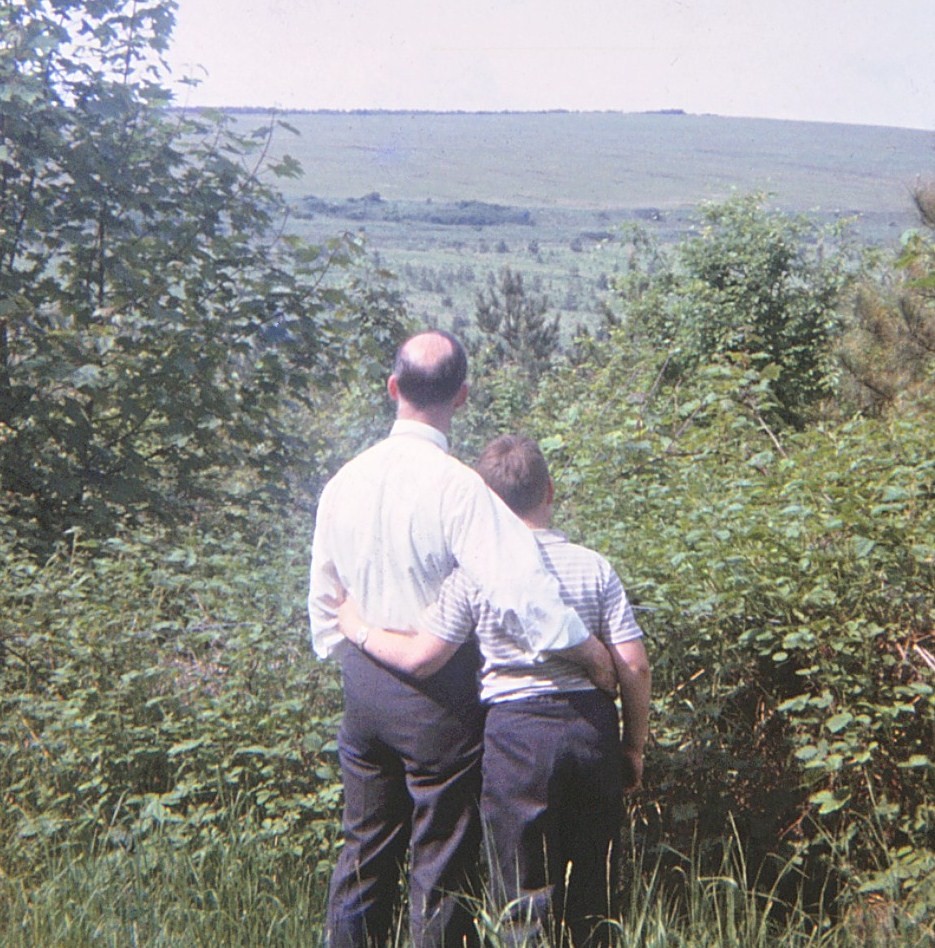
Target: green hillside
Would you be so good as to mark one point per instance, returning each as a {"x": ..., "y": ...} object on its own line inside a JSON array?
[
  {"x": 602, "y": 160},
  {"x": 567, "y": 187}
]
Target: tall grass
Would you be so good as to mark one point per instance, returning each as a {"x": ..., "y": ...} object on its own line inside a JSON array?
[
  {"x": 231, "y": 894},
  {"x": 245, "y": 891}
]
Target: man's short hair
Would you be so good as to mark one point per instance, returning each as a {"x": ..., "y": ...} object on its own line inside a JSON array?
[
  {"x": 513, "y": 467},
  {"x": 435, "y": 383}
]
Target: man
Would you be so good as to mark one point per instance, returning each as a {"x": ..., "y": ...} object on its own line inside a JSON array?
[
  {"x": 552, "y": 749},
  {"x": 391, "y": 525}
]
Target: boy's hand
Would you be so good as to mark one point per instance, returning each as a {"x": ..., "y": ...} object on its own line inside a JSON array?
[{"x": 632, "y": 768}]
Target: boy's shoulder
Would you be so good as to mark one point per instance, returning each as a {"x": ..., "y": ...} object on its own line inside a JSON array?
[{"x": 568, "y": 557}]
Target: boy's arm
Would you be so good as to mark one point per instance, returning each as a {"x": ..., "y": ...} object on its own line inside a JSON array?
[
  {"x": 416, "y": 653},
  {"x": 635, "y": 678}
]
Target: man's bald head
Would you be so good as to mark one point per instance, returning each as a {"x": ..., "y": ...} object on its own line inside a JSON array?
[{"x": 430, "y": 368}]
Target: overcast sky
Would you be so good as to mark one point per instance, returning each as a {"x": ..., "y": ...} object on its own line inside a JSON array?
[{"x": 856, "y": 61}]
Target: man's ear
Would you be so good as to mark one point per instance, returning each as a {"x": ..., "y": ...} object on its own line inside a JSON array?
[
  {"x": 392, "y": 386},
  {"x": 462, "y": 395},
  {"x": 550, "y": 492}
]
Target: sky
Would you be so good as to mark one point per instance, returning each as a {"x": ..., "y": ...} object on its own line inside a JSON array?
[{"x": 866, "y": 62}]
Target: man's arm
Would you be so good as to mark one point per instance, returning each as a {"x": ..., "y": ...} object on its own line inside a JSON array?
[
  {"x": 416, "y": 653},
  {"x": 420, "y": 653},
  {"x": 325, "y": 591},
  {"x": 635, "y": 678},
  {"x": 597, "y": 662}
]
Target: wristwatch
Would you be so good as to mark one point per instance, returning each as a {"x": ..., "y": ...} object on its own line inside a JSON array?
[{"x": 360, "y": 636}]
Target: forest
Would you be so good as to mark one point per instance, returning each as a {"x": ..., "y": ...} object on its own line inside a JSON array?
[{"x": 743, "y": 426}]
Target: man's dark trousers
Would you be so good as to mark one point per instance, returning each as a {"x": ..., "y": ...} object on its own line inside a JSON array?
[
  {"x": 551, "y": 806},
  {"x": 410, "y": 759}
]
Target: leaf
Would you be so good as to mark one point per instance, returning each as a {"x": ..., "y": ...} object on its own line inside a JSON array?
[
  {"x": 255, "y": 750},
  {"x": 185, "y": 746},
  {"x": 915, "y": 761},
  {"x": 88, "y": 376},
  {"x": 839, "y": 721},
  {"x": 863, "y": 546},
  {"x": 894, "y": 493},
  {"x": 828, "y": 801}
]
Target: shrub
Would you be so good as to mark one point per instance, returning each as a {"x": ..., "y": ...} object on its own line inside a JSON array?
[
  {"x": 786, "y": 587},
  {"x": 155, "y": 688}
]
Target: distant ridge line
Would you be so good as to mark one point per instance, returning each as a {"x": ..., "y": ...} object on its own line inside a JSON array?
[
  {"x": 673, "y": 113},
  {"x": 253, "y": 109}
]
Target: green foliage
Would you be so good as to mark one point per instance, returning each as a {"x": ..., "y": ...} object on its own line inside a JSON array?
[
  {"x": 514, "y": 344},
  {"x": 372, "y": 207},
  {"x": 239, "y": 890},
  {"x": 160, "y": 335},
  {"x": 888, "y": 352},
  {"x": 753, "y": 285},
  {"x": 514, "y": 327},
  {"x": 243, "y": 892},
  {"x": 151, "y": 689},
  {"x": 786, "y": 587}
]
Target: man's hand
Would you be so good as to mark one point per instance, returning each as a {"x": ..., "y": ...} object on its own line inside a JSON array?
[
  {"x": 596, "y": 662},
  {"x": 632, "y": 758},
  {"x": 602, "y": 671},
  {"x": 349, "y": 619}
]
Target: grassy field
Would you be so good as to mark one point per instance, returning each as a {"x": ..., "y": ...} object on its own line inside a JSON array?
[{"x": 568, "y": 185}]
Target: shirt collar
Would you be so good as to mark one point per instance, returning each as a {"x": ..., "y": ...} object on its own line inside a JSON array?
[
  {"x": 546, "y": 536},
  {"x": 405, "y": 426}
]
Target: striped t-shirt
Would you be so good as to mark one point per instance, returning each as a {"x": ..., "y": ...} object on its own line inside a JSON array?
[{"x": 512, "y": 667}]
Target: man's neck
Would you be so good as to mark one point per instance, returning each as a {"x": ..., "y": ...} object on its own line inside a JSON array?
[{"x": 436, "y": 418}]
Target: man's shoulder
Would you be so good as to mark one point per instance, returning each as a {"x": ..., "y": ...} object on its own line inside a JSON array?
[
  {"x": 414, "y": 461},
  {"x": 348, "y": 477},
  {"x": 371, "y": 458}
]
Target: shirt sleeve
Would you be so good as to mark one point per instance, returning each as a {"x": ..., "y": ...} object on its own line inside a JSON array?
[
  {"x": 325, "y": 592},
  {"x": 453, "y": 615},
  {"x": 618, "y": 623},
  {"x": 499, "y": 553}
]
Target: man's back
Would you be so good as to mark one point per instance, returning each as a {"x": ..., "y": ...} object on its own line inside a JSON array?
[{"x": 381, "y": 533}]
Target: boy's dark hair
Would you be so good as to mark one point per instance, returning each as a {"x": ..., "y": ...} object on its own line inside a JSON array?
[
  {"x": 424, "y": 386},
  {"x": 513, "y": 467}
]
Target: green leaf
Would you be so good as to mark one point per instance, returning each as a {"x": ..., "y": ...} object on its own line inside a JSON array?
[
  {"x": 186, "y": 746},
  {"x": 916, "y": 761},
  {"x": 88, "y": 376},
  {"x": 809, "y": 752},
  {"x": 829, "y": 801},
  {"x": 839, "y": 721},
  {"x": 863, "y": 546}
]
